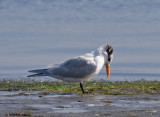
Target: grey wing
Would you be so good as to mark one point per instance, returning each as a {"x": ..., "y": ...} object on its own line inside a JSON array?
[{"x": 74, "y": 68}]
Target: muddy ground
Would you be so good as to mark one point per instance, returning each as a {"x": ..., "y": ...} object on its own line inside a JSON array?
[{"x": 37, "y": 103}]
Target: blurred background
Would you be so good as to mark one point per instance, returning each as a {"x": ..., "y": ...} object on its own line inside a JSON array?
[{"x": 39, "y": 33}]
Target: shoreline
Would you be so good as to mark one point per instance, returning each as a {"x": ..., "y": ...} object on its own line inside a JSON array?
[{"x": 122, "y": 99}]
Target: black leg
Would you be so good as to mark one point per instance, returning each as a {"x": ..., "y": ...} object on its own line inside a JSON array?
[{"x": 81, "y": 85}]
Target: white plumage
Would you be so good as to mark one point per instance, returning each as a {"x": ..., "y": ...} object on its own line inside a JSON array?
[{"x": 81, "y": 68}]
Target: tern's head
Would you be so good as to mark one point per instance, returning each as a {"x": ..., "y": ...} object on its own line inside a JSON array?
[{"x": 108, "y": 56}]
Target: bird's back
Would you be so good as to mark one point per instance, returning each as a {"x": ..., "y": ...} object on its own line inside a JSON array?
[{"x": 73, "y": 68}]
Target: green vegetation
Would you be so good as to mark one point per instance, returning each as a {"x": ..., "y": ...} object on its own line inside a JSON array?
[{"x": 94, "y": 87}]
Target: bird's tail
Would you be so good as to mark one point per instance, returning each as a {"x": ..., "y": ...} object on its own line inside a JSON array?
[{"x": 39, "y": 72}]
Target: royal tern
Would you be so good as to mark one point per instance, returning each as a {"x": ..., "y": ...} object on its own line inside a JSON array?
[{"x": 81, "y": 68}]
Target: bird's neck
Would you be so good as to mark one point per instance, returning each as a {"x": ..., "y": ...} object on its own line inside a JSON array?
[
  {"x": 98, "y": 52},
  {"x": 99, "y": 59},
  {"x": 98, "y": 55}
]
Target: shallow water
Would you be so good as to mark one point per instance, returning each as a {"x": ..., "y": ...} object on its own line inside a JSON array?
[
  {"x": 36, "y": 34},
  {"x": 37, "y": 104}
]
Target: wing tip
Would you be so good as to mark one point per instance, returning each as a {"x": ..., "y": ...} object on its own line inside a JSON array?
[
  {"x": 31, "y": 70},
  {"x": 35, "y": 75}
]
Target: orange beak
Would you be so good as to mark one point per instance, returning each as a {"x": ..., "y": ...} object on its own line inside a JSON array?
[{"x": 107, "y": 70}]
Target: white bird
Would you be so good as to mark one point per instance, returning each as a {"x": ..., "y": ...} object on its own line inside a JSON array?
[{"x": 81, "y": 68}]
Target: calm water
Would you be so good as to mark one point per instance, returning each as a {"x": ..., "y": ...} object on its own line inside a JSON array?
[{"x": 37, "y": 33}]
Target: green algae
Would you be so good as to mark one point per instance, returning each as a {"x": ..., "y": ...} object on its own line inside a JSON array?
[{"x": 93, "y": 87}]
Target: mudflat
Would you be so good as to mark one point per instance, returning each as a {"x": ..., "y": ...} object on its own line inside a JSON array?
[{"x": 40, "y": 103}]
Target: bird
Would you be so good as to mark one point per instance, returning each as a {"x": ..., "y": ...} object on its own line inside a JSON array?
[{"x": 81, "y": 68}]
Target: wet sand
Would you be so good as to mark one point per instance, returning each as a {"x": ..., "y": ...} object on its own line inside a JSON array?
[{"x": 37, "y": 103}]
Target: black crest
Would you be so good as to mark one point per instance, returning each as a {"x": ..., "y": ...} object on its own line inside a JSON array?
[{"x": 109, "y": 50}]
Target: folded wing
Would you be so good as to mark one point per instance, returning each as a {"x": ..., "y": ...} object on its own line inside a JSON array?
[{"x": 74, "y": 68}]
